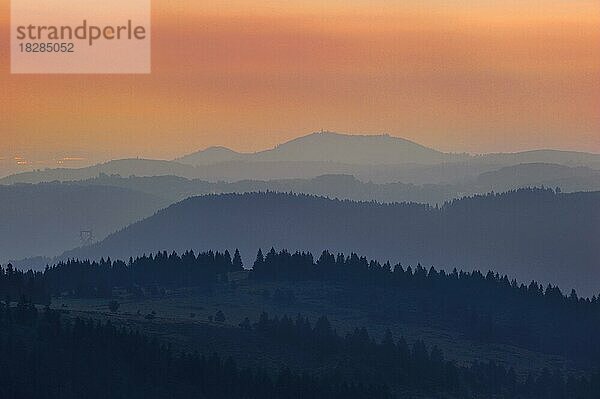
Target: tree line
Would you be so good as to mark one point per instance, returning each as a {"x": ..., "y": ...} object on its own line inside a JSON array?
[
  {"x": 97, "y": 279},
  {"x": 485, "y": 307},
  {"x": 284, "y": 265}
]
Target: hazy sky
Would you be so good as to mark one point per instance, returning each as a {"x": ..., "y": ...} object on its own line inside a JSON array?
[{"x": 477, "y": 76}]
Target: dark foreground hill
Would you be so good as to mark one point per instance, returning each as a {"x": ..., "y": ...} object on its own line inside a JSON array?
[
  {"x": 470, "y": 335},
  {"x": 530, "y": 234}
]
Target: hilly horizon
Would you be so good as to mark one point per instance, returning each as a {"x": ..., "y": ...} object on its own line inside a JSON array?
[
  {"x": 382, "y": 149},
  {"x": 529, "y": 234},
  {"x": 347, "y": 186},
  {"x": 155, "y": 192},
  {"x": 381, "y": 158}
]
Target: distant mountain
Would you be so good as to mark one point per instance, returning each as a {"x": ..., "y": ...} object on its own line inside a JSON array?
[
  {"x": 384, "y": 149},
  {"x": 334, "y": 148},
  {"x": 354, "y": 149},
  {"x": 380, "y": 159},
  {"x": 212, "y": 155},
  {"x": 529, "y": 234},
  {"x": 46, "y": 219}
]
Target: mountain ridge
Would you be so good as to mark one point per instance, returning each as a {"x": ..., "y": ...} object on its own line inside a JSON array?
[
  {"x": 381, "y": 159},
  {"x": 531, "y": 234},
  {"x": 288, "y": 151},
  {"x": 329, "y": 146}
]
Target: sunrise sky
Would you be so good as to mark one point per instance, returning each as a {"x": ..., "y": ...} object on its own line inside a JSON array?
[{"x": 471, "y": 75}]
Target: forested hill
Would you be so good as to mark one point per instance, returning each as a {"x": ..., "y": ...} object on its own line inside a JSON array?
[
  {"x": 486, "y": 308},
  {"x": 530, "y": 233},
  {"x": 43, "y": 355}
]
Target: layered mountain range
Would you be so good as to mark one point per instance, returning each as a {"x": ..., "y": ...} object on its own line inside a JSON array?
[
  {"x": 381, "y": 159},
  {"x": 404, "y": 200}
]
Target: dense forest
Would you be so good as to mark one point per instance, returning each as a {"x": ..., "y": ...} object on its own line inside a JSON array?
[
  {"x": 485, "y": 307},
  {"x": 416, "y": 367},
  {"x": 43, "y": 356}
]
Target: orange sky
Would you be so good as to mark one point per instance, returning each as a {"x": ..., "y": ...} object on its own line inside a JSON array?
[{"x": 477, "y": 76}]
